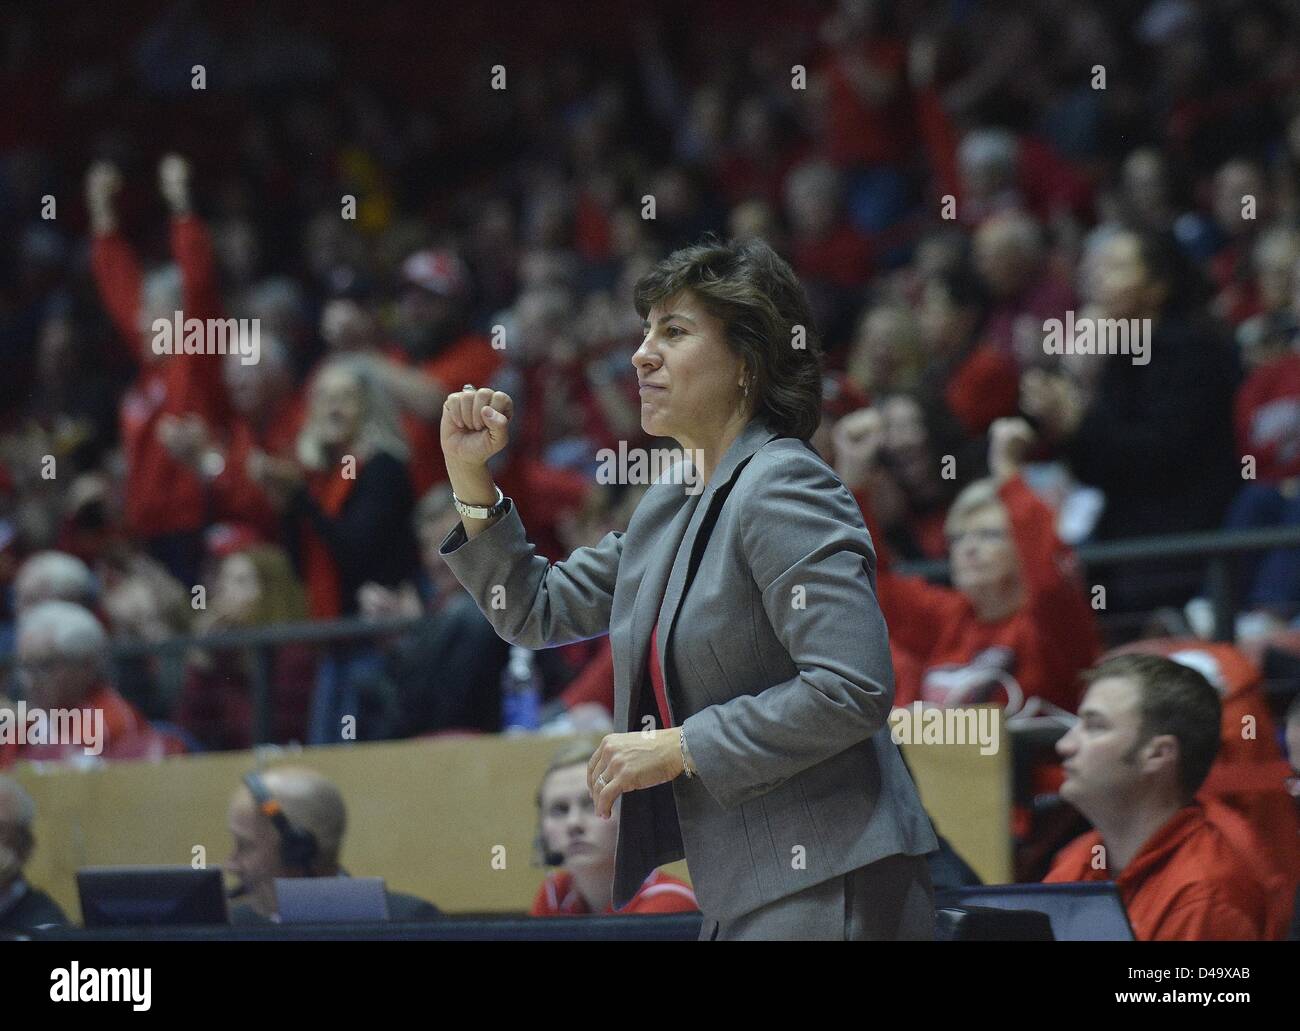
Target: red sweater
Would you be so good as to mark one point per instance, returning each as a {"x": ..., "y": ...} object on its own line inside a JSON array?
[
  {"x": 1267, "y": 416},
  {"x": 1043, "y": 646},
  {"x": 659, "y": 893},
  {"x": 1187, "y": 883},
  {"x": 162, "y": 495},
  {"x": 126, "y": 735},
  {"x": 235, "y": 497}
]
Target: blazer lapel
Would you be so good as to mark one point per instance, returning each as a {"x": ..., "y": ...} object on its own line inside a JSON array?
[{"x": 666, "y": 572}]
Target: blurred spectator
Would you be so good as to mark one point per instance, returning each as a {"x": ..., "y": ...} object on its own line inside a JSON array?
[
  {"x": 966, "y": 374},
  {"x": 255, "y": 587},
  {"x": 294, "y": 829},
  {"x": 833, "y": 258},
  {"x": 267, "y": 414},
  {"x": 62, "y": 655},
  {"x": 1146, "y": 200},
  {"x": 23, "y": 908},
  {"x": 447, "y": 674},
  {"x": 1161, "y": 471},
  {"x": 572, "y": 836},
  {"x": 1270, "y": 333},
  {"x": 351, "y": 490},
  {"x": 1011, "y": 259},
  {"x": 1016, "y": 625},
  {"x": 885, "y": 356},
  {"x": 1147, "y": 735},
  {"x": 165, "y": 501},
  {"x": 53, "y": 576},
  {"x": 1291, "y": 724},
  {"x": 143, "y": 605}
]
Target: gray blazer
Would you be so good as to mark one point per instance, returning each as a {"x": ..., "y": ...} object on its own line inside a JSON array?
[{"x": 775, "y": 658}]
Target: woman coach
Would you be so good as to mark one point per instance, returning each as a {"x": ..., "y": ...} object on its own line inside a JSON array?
[{"x": 756, "y": 739}]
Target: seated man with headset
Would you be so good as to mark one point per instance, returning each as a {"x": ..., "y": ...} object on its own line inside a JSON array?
[{"x": 289, "y": 822}]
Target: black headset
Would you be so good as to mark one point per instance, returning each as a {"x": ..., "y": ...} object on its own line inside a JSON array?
[{"x": 298, "y": 847}]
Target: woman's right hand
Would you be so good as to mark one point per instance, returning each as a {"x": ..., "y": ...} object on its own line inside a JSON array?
[{"x": 475, "y": 426}]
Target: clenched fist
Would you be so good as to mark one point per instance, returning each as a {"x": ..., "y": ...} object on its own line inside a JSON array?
[{"x": 475, "y": 426}]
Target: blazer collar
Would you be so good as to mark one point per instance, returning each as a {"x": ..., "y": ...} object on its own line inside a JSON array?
[{"x": 756, "y": 433}]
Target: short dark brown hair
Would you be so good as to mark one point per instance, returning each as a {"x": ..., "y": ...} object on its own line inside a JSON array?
[
  {"x": 1172, "y": 699},
  {"x": 754, "y": 292}
]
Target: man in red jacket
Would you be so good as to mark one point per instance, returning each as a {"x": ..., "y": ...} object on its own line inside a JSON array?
[
  {"x": 165, "y": 501},
  {"x": 1147, "y": 735}
]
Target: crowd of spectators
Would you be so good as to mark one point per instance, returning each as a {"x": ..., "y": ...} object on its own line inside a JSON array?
[{"x": 944, "y": 177}]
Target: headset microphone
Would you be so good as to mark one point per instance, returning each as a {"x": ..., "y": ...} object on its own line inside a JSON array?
[{"x": 298, "y": 847}]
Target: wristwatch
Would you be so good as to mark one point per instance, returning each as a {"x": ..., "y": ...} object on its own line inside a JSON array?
[{"x": 478, "y": 511}]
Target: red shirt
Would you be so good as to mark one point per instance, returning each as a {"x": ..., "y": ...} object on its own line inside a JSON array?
[
  {"x": 1243, "y": 794},
  {"x": 657, "y": 679},
  {"x": 595, "y": 681},
  {"x": 660, "y": 893},
  {"x": 1041, "y": 647},
  {"x": 126, "y": 734},
  {"x": 1267, "y": 416},
  {"x": 235, "y": 497},
  {"x": 842, "y": 258},
  {"x": 162, "y": 495},
  {"x": 858, "y": 132},
  {"x": 1187, "y": 883},
  {"x": 985, "y": 387}
]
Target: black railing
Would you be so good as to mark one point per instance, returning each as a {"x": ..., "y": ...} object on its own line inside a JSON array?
[{"x": 1217, "y": 548}]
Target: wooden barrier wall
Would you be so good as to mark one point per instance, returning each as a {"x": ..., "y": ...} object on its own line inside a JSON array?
[{"x": 423, "y": 814}]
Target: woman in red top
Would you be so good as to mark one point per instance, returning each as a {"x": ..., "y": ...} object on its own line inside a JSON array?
[
  {"x": 1017, "y": 623},
  {"x": 569, "y": 834}
]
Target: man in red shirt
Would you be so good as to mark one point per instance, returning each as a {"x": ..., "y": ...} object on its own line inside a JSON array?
[
  {"x": 572, "y": 835},
  {"x": 1147, "y": 735}
]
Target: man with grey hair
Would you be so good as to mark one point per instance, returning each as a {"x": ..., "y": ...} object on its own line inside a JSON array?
[
  {"x": 69, "y": 709},
  {"x": 289, "y": 822},
  {"x": 22, "y": 907},
  {"x": 53, "y": 576}
]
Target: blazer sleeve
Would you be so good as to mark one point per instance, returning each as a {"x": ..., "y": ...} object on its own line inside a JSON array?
[
  {"x": 528, "y": 600},
  {"x": 812, "y": 559}
]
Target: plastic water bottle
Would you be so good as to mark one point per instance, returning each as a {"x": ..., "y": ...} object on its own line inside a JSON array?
[{"x": 521, "y": 693}]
